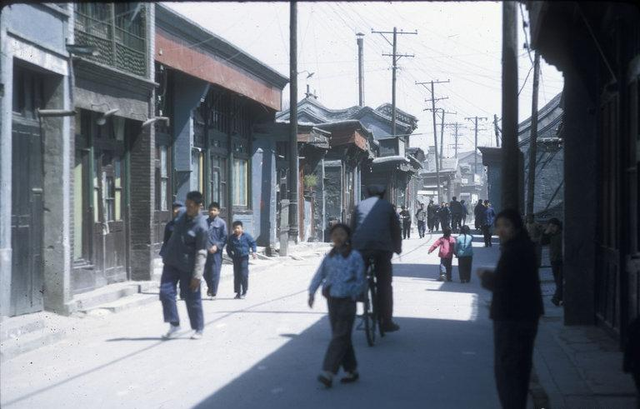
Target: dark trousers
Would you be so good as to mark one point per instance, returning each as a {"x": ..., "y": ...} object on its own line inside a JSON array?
[
  {"x": 240, "y": 275},
  {"x": 212, "y": 271},
  {"x": 168, "y": 292},
  {"x": 421, "y": 228},
  {"x": 455, "y": 221},
  {"x": 464, "y": 220},
  {"x": 445, "y": 223},
  {"x": 430, "y": 223},
  {"x": 486, "y": 232},
  {"x": 342, "y": 314},
  {"x": 436, "y": 224},
  {"x": 446, "y": 267},
  {"x": 406, "y": 230},
  {"x": 513, "y": 343},
  {"x": 556, "y": 269},
  {"x": 384, "y": 276},
  {"x": 464, "y": 268}
]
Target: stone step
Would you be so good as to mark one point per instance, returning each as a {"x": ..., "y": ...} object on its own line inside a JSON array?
[
  {"x": 12, "y": 347},
  {"x": 113, "y": 292},
  {"x": 123, "y": 304},
  {"x": 17, "y": 326}
]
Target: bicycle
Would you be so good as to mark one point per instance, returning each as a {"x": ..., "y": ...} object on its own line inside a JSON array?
[{"x": 370, "y": 318}]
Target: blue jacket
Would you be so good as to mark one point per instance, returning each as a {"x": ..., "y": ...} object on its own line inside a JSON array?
[
  {"x": 376, "y": 226},
  {"x": 238, "y": 247},
  {"x": 464, "y": 247},
  {"x": 189, "y": 236},
  {"x": 217, "y": 233},
  {"x": 489, "y": 216},
  {"x": 344, "y": 276}
]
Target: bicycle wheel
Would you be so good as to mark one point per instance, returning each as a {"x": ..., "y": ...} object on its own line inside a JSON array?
[{"x": 371, "y": 320}]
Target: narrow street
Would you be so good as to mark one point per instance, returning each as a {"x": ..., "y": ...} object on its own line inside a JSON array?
[{"x": 267, "y": 349}]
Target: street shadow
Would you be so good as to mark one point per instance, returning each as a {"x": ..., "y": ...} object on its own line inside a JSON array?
[{"x": 429, "y": 362}]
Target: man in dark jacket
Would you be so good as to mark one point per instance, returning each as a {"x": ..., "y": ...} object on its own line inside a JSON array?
[
  {"x": 376, "y": 234},
  {"x": 444, "y": 216},
  {"x": 431, "y": 216},
  {"x": 478, "y": 213},
  {"x": 405, "y": 219},
  {"x": 456, "y": 214},
  {"x": 487, "y": 223},
  {"x": 516, "y": 307},
  {"x": 177, "y": 209},
  {"x": 217, "y": 240},
  {"x": 553, "y": 238}
]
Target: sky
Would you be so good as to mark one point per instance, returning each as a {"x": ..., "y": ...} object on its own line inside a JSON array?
[{"x": 456, "y": 41}]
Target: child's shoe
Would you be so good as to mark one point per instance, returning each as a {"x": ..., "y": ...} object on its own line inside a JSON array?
[
  {"x": 351, "y": 377},
  {"x": 326, "y": 378}
]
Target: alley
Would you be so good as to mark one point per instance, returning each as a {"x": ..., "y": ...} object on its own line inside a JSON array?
[{"x": 268, "y": 348}]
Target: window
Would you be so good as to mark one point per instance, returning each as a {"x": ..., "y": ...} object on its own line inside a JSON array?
[
  {"x": 117, "y": 165},
  {"x": 219, "y": 180},
  {"x": 28, "y": 92},
  {"x": 240, "y": 182},
  {"x": 164, "y": 178}
]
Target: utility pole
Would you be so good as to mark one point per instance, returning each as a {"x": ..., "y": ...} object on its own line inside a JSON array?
[
  {"x": 533, "y": 136},
  {"x": 395, "y": 58},
  {"x": 293, "y": 126},
  {"x": 456, "y": 126},
  {"x": 510, "y": 150},
  {"x": 360, "y": 41},
  {"x": 435, "y": 131},
  {"x": 475, "y": 151},
  {"x": 496, "y": 130},
  {"x": 442, "y": 132}
]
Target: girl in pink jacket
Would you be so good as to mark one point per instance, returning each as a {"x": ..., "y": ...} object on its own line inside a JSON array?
[{"x": 446, "y": 243}]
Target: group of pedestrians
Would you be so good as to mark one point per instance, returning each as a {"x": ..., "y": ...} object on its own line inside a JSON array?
[
  {"x": 452, "y": 215},
  {"x": 192, "y": 250}
]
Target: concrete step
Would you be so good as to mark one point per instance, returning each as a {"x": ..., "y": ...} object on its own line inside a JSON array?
[
  {"x": 123, "y": 304},
  {"x": 111, "y": 293},
  {"x": 17, "y": 326},
  {"x": 14, "y": 346}
]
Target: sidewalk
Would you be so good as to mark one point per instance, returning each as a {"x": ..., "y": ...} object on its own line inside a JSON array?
[
  {"x": 576, "y": 367},
  {"x": 26, "y": 333}
]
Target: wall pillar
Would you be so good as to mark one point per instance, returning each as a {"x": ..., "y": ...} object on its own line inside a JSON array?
[{"x": 581, "y": 201}]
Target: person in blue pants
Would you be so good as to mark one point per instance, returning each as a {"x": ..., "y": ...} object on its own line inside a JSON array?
[
  {"x": 239, "y": 246},
  {"x": 217, "y": 240},
  {"x": 184, "y": 259}
]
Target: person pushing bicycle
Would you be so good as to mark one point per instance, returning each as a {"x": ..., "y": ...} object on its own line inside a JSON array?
[{"x": 377, "y": 235}]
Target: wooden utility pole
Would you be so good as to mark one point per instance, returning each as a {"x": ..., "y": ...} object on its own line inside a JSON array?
[
  {"x": 293, "y": 126},
  {"x": 533, "y": 136},
  {"x": 510, "y": 150},
  {"x": 435, "y": 129},
  {"x": 496, "y": 130},
  {"x": 395, "y": 57},
  {"x": 475, "y": 120},
  {"x": 456, "y": 126},
  {"x": 442, "y": 132}
]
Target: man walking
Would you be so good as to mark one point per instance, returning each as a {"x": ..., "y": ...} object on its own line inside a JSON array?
[
  {"x": 376, "y": 234},
  {"x": 421, "y": 216},
  {"x": 487, "y": 223},
  {"x": 184, "y": 260},
  {"x": 431, "y": 216},
  {"x": 478, "y": 213},
  {"x": 465, "y": 212},
  {"x": 217, "y": 240},
  {"x": 405, "y": 218},
  {"x": 456, "y": 214},
  {"x": 444, "y": 215}
]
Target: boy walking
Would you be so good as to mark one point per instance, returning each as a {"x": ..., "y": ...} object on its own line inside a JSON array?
[
  {"x": 446, "y": 243},
  {"x": 184, "y": 259},
  {"x": 239, "y": 247},
  {"x": 217, "y": 240}
]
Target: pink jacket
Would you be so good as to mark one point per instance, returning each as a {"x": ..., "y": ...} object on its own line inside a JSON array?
[{"x": 446, "y": 245}]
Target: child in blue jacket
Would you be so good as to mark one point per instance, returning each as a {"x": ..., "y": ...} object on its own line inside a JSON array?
[
  {"x": 239, "y": 247},
  {"x": 464, "y": 252},
  {"x": 342, "y": 276}
]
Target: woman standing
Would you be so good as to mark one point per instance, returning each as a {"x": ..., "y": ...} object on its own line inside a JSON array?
[
  {"x": 464, "y": 252},
  {"x": 515, "y": 309}
]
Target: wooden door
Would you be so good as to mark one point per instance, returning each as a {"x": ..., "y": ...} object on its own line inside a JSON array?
[{"x": 26, "y": 219}]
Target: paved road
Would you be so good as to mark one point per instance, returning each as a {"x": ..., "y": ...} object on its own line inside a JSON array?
[{"x": 266, "y": 350}]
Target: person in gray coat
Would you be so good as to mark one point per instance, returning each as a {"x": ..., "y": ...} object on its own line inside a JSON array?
[{"x": 377, "y": 235}]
